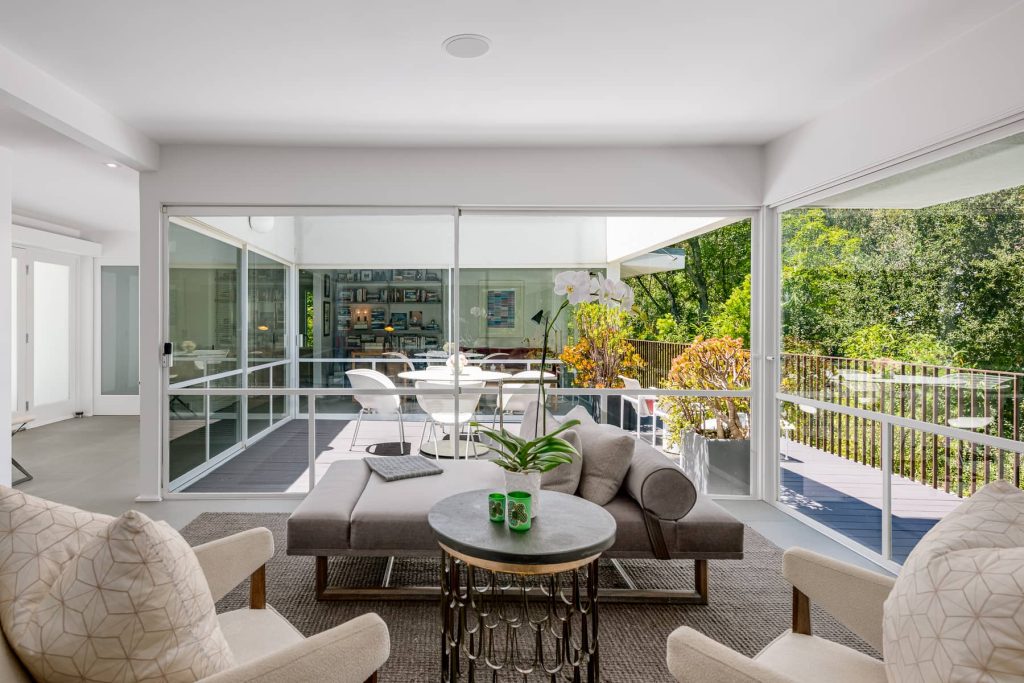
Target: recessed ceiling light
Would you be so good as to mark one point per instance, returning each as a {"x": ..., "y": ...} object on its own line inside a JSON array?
[
  {"x": 111, "y": 164},
  {"x": 467, "y": 45}
]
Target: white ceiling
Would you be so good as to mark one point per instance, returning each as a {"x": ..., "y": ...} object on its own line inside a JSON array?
[
  {"x": 60, "y": 181},
  {"x": 560, "y": 71}
]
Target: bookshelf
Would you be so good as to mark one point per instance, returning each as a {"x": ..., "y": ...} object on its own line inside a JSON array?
[{"x": 366, "y": 302}]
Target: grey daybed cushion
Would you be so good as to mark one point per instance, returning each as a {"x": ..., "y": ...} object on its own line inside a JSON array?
[{"x": 565, "y": 478}]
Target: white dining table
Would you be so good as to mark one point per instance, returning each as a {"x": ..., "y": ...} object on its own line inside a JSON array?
[
  {"x": 453, "y": 447},
  {"x": 442, "y": 374}
]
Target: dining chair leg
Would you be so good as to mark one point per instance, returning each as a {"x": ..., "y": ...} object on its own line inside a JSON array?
[
  {"x": 401, "y": 434},
  {"x": 437, "y": 448},
  {"x": 423, "y": 432},
  {"x": 355, "y": 434}
]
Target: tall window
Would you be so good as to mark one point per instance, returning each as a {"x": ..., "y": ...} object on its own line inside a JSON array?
[{"x": 903, "y": 298}]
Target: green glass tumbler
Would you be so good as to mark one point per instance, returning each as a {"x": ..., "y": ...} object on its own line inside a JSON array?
[
  {"x": 519, "y": 504},
  {"x": 496, "y": 507}
]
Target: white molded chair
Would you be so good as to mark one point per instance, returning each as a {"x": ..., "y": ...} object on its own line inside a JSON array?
[
  {"x": 441, "y": 410},
  {"x": 645, "y": 406},
  {"x": 375, "y": 403},
  {"x": 491, "y": 360}
]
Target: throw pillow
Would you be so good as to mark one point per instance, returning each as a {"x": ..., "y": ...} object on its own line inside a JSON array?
[
  {"x": 954, "y": 612},
  {"x": 132, "y": 605},
  {"x": 37, "y": 539},
  {"x": 607, "y": 454},
  {"x": 565, "y": 478}
]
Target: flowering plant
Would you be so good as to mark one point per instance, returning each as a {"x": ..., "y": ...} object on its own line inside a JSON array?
[
  {"x": 602, "y": 351},
  {"x": 579, "y": 287}
]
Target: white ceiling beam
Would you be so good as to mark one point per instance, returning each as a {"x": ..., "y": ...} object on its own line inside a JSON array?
[{"x": 28, "y": 89}]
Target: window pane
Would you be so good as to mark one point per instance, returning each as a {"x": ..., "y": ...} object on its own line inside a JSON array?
[
  {"x": 268, "y": 282},
  {"x": 204, "y": 304},
  {"x": 51, "y": 334},
  {"x": 904, "y": 298},
  {"x": 119, "y": 330}
]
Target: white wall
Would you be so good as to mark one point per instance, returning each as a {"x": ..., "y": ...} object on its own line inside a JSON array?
[
  {"x": 6, "y": 182},
  {"x": 969, "y": 84}
]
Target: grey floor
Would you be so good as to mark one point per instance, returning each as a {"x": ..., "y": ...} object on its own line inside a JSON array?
[{"x": 92, "y": 463}]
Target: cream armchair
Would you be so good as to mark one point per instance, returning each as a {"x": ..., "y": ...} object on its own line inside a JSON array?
[
  {"x": 267, "y": 647},
  {"x": 852, "y": 595}
]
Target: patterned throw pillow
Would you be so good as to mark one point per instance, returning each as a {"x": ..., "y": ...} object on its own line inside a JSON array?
[
  {"x": 37, "y": 540},
  {"x": 956, "y": 612},
  {"x": 92, "y": 598}
]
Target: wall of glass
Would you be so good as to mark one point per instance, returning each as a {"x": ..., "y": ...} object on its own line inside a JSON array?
[
  {"x": 204, "y": 329},
  {"x": 903, "y": 298}
]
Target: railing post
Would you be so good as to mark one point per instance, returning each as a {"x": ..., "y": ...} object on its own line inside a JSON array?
[
  {"x": 311, "y": 440},
  {"x": 887, "y": 454}
]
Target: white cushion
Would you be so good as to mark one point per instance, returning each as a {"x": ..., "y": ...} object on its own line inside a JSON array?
[
  {"x": 956, "y": 612},
  {"x": 813, "y": 659},
  {"x": 255, "y": 633},
  {"x": 132, "y": 605}
]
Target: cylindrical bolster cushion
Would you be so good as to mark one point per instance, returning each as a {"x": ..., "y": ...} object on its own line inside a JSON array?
[{"x": 658, "y": 485}]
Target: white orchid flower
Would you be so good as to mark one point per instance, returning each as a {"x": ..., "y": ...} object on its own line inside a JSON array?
[
  {"x": 605, "y": 291},
  {"x": 575, "y": 284}
]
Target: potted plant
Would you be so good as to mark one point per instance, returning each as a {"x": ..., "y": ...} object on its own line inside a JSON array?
[
  {"x": 712, "y": 432},
  {"x": 524, "y": 461}
]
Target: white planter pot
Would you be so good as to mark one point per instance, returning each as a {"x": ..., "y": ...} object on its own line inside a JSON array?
[{"x": 529, "y": 482}]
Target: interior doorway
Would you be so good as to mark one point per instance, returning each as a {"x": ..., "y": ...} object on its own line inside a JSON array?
[{"x": 44, "y": 347}]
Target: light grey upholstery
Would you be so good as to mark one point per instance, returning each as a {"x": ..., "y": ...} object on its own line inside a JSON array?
[
  {"x": 566, "y": 477},
  {"x": 658, "y": 484},
  {"x": 353, "y": 513}
]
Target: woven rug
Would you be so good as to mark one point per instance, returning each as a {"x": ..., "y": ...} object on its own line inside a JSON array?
[{"x": 749, "y": 604}]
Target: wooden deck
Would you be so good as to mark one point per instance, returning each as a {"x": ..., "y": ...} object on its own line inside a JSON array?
[{"x": 847, "y": 497}]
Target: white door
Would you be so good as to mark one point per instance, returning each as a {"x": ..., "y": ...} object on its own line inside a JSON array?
[
  {"x": 46, "y": 347},
  {"x": 116, "y": 362}
]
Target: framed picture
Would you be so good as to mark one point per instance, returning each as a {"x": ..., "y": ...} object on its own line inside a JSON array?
[
  {"x": 411, "y": 295},
  {"x": 327, "y": 318},
  {"x": 365, "y": 275},
  {"x": 327, "y": 286},
  {"x": 502, "y": 303}
]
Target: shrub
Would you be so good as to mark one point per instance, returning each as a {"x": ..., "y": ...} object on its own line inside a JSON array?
[
  {"x": 718, "y": 364},
  {"x": 602, "y": 351}
]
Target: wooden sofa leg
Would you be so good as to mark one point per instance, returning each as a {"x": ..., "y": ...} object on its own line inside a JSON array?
[
  {"x": 258, "y": 589},
  {"x": 321, "y": 575},
  {"x": 700, "y": 580},
  {"x": 801, "y": 613}
]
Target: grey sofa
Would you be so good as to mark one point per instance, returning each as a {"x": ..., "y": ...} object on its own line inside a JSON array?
[{"x": 659, "y": 513}]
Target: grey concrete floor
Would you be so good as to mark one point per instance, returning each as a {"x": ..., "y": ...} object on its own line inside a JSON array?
[{"x": 92, "y": 463}]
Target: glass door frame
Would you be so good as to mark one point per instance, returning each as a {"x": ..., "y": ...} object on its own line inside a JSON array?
[{"x": 243, "y": 370}]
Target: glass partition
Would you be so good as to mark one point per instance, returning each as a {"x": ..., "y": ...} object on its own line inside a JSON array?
[
  {"x": 204, "y": 314},
  {"x": 902, "y": 311}
]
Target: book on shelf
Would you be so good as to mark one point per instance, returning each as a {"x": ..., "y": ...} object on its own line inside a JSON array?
[
  {"x": 399, "y": 321},
  {"x": 415, "y": 319}
]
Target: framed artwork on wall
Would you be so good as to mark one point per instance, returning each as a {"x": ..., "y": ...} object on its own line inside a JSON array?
[
  {"x": 327, "y": 318},
  {"x": 502, "y": 304},
  {"x": 327, "y": 286}
]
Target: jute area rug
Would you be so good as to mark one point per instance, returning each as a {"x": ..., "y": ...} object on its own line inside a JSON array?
[{"x": 749, "y": 606}]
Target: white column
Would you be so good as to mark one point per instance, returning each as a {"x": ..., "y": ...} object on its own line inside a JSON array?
[
  {"x": 6, "y": 378},
  {"x": 613, "y": 270},
  {"x": 151, "y": 372}
]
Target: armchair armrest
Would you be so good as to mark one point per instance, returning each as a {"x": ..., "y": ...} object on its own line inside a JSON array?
[
  {"x": 851, "y": 594},
  {"x": 228, "y": 561},
  {"x": 692, "y": 656},
  {"x": 349, "y": 653}
]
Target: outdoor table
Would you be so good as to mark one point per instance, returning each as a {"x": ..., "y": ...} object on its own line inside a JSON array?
[
  {"x": 520, "y": 601},
  {"x": 443, "y": 374}
]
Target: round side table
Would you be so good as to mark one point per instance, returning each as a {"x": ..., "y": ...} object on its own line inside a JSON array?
[{"x": 520, "y": 602}]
